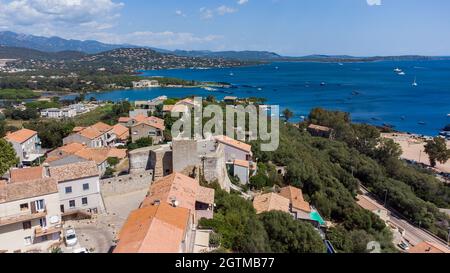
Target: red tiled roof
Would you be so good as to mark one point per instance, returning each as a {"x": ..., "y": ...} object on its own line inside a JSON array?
[
  {"x": 295, "y": 197},
  {"x": 154, "y": 229},
  {"x": 26, "y": 174},
  {"x": 234, "y": 143},
  {"x": 20, "y": 136}
]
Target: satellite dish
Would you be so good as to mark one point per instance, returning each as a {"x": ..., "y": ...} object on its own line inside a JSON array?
[{"x": 54, "y": 219}]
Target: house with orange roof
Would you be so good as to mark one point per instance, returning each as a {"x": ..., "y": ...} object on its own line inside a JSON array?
[
  {"x": 235, "y": 149},
  {"x": 95, "y": 136},
  {"x": 122, "y": 133},
  {"x": 75, "y": 152},
  {"x": 27, "y": 145},
  {"x": 148, "y": 127},
  {"x": 270, "y": 202},
  {"x": 30, "y": 219},
  {"x": 429, "y": 248},
  {"x": 298, "y": 206},
  {"x": 78, "y": 187},
  {"x": 26, "y": 174},
  {"x": 182, "y": 191},
  {"x": 156, "y": 228}
]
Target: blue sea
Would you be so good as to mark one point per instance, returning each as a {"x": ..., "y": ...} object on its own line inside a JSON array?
[{"x": 372, "y": 92}]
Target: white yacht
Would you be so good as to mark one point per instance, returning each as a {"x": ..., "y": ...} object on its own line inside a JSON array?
[
  {"x": 402, "y": 73},
  {"x": 415, "y": 83},
  {"x": 398, "y": 70}
]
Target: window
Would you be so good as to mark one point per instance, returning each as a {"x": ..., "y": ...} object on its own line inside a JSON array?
[
  {"x": 40, "y": 205},
  {"x": 72, "y": 203},
  {"x": 26, "y": 225},
  {"x": 86, "y": 187},
  {"x": 28, "y": 241},
  {"x": 68, "y": 190},
  {"x": 84, "y": 201},
  {"x": 24, "y": 206},
  {"x": 43, "y": 222}
]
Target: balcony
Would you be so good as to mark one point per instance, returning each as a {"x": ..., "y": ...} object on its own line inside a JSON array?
[
  {"x": 40, "y": 232},
  {"x": 22, "y": 217}
]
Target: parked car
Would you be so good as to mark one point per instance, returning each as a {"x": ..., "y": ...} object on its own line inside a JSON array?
[
  {"x": 81, "y": 250},
  {"x": 404, "y": 246},
  {"x": 70, "y": 237}
]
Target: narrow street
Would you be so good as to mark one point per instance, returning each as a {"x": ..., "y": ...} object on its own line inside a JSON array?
[{"x": 413, "y": 234}]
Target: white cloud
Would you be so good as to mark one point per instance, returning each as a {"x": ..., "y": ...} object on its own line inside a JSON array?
[
  {"x": 206, "y": 13},
  {"x": 57, "y": 16},
  {"x": 180, "y": 13},
  {"x": 222, "y": 10},
  {"x": 242, "y": 2},
  {"x": 374, "y": 2},
  {"x": 166, "y": 39}
]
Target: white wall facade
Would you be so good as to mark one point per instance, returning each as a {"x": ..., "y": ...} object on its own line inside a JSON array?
[
  {"x": 74, "y": 200},
  {"x": 14, "y": 238}
]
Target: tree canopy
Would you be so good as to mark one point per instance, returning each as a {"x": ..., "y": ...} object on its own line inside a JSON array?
[{"x": 8, "y": 157}]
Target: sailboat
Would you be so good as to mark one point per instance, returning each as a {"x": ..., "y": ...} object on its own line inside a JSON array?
[{"x": 415, "y": 82}]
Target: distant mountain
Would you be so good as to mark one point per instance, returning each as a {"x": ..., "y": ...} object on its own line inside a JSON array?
[
  {"x": 54, "y": 44},
  {"x": 237, "y": 55},
  {"x": 121, "y": 60},
  {"x": 27, "y": 53}
]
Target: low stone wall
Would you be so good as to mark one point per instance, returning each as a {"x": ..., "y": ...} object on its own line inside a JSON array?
[{"x": 126, "y": 183}]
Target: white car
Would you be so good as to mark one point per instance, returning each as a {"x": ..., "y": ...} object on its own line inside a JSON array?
[
  {"x": 70, "y": 237},
  {"x": 81, "y": 250}
]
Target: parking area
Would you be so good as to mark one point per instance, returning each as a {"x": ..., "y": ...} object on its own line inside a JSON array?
[{"x": 98, "y": 234}]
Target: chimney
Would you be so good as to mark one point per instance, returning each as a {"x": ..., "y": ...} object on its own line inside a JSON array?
[{"x": 46, "y": 170}]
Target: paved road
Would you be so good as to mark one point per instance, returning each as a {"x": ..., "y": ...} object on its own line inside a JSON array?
[{"x": 413, "y": 234}]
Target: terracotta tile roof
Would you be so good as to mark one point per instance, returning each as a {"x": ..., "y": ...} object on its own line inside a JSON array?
[
  {"x": 20, "y": 136},
  {"x": 153, "y": 122},
  {"x": 295, "y": 197},
  {"x": 168, "y": 108},
  {"x": 78, "y": 129},
  {"x": 242, "y": 163},
  {"x": 124, "y": 119},
  {"x": 74, "y": 171},
  {"x": 119, "y": 153},
  {"x": 140, "y": 118},
  {"x": 102, "y": 127},
  {"x": 429, "y": 247},
  {"x": 121, "y": 131},
  {"x": 205, "y": 195},
  {"x": 186, "y": 101},
  {"x": 319, "y": 128},
  {"x": 71, "y": 148},
  {"x": 91, "y": 133},
  {"x": 269, "y": 202},
  {"x": 26, "y": 174},
  {"x": 100, "y": 155},
  {"x": 234, "y": 143},
  {"x": 177, "y": 187},
  {"x": 154, "y": 229},
  {"x": 27, "y": 189}
]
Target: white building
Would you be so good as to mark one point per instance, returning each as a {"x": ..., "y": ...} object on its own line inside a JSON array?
[
  {"x": 30, "y": 219},
  {"x": 27, "y": 145},
  {"x": 78, "y": 187},
  {"x": 58, "y": 113},
  {"x": 146, "y": 84},
  {"x": 241, "y": 169}
]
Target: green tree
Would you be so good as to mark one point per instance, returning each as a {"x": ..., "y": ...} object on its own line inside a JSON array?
[
  {"x": 437, "y": 151},
  {"x": 113, "y": 161},
  {"x": 287, "y": 235},
  {"x": 8, "y": 157},
  {"x": 287, "y": 114}
]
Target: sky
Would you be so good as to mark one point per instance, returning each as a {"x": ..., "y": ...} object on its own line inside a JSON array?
[{"x": 287, "y": 27}]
